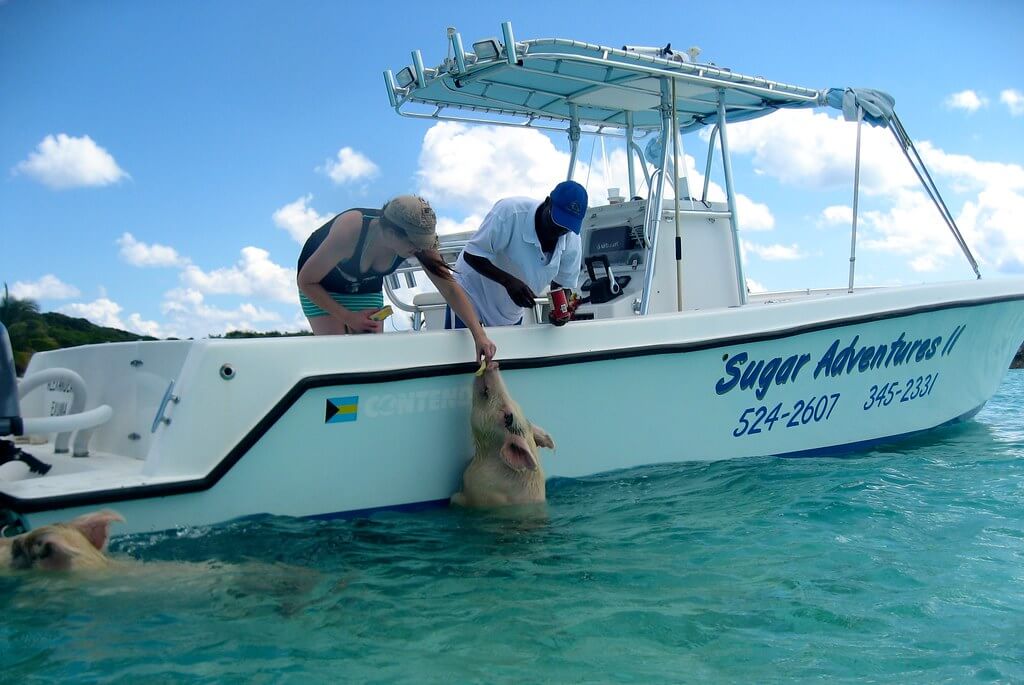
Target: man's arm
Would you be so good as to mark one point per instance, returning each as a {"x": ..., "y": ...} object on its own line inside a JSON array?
[{"x": 517, "y": 290}]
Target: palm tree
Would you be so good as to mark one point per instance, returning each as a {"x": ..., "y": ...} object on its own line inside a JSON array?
[{"x": 13, "y": 309}]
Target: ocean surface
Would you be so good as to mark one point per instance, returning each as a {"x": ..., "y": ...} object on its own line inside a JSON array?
[{"x": 899, "y": 564}]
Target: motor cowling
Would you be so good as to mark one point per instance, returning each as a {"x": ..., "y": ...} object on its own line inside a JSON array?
[{"x": 10, "y": 409}]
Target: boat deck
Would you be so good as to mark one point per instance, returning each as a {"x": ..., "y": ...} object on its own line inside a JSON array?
[{"x": 98, "y": 471}]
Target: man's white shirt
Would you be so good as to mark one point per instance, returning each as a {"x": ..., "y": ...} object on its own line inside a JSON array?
[{"x": 507, "y": 238}]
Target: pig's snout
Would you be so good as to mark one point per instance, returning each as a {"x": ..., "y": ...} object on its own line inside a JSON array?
[{"x": 492, "y": 365}]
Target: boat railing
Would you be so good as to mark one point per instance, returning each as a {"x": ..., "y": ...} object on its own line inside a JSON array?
[
  {"x": 422, "y": 303},
  {"x": 73, "y": 418}
]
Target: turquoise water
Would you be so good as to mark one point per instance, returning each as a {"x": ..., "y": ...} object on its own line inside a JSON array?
[{"x": 903, "y": 564}]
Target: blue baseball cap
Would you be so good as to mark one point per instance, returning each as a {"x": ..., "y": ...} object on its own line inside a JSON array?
[{"x": 569, "y": 205}]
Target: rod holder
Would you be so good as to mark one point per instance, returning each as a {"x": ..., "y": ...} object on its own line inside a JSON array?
[
  {"x": 389, "y": 83},
  {"x": 460, "y": 54},
  {"x": 510, "y": 43},
  {"x": 417, "y": 66}
]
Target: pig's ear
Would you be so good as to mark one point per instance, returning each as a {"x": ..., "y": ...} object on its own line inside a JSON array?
[
  {"x": 516, "y": 454},
  {"x": 96, "y": 526},
  {"x": 542, "y": 438}
]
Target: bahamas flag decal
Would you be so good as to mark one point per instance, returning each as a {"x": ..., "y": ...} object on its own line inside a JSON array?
[{"x": 341, "y": 409}]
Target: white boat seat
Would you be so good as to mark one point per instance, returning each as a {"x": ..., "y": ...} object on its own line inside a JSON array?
[
  {"x": 426, "y": 309},
  {"x": 426, "y": 299}
]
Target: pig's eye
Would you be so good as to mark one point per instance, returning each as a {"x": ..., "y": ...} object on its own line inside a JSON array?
[
  {"x": 485, "y": 392},
  {"x": 44, "y": 551}
]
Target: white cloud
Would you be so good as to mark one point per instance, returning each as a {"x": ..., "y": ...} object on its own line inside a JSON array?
[
  {"x": 139, "y": 325},
  {"x": 105, "y": 312},
  {"x": 753, "y": 216},
  {"x": 925, "y": 263},
  {"x": 814, "y": 150},
  {"x": 912, "y": 226},
  {"x": 447, "y": 225},
  {"x": 254, "y": 275},
  {"x": 191, "y": 317},
  {"x": 299, "y": 219},
  {"x": 991, "y": 225},
  {"x": 470, "y": 168},
  {"x": 102, "y": 312},
  {"x": 969, "y": 174},
  {"x": 142, "y": 254},
  {"x": 1014, "y": 100},
  {"x": 66, "y": 162},
  {"x": 776, "y": 252},
  {"x": 350, "y": 165},
  {"x": 49, "y": 287},
  {"x": 837, "y": 215},
  {"x": 967, "y": 100}
]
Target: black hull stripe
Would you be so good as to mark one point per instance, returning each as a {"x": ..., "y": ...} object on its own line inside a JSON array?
[{"x": 102, "y": 497}]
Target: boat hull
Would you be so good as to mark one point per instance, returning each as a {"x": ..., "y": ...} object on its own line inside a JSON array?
[{"x": 787, "y": 381}]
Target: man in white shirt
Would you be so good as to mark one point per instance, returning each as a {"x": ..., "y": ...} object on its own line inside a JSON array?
[{"x": 522, "y": 246}]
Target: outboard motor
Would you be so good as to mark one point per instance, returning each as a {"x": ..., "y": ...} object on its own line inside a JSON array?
[{"x": 10, "y": 410}]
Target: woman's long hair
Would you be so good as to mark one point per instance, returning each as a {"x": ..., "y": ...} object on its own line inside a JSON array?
[{"x": 432, "y": 261}]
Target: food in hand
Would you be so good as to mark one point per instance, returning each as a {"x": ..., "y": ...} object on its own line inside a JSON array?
[{"x": 382, "y": 313}]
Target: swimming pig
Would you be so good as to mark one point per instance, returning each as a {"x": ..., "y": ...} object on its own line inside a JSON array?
[
  {"x": 76, "y": 550},
  {"x": 73, "y": 546},
  {"x": 505, "y": 468}
]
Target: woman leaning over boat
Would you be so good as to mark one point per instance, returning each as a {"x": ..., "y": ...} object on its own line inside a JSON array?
[{"x": 343, "y": 264}]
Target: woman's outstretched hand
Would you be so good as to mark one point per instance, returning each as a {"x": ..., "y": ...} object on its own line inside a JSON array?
[{"x": 485, "y": 349}]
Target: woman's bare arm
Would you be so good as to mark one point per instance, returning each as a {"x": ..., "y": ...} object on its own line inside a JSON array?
[
  {"x": 339, "y": 244},
  {"x": 460, "y": 304}
]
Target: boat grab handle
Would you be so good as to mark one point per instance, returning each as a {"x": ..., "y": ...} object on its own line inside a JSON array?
[{"x": 169, "y": 396}]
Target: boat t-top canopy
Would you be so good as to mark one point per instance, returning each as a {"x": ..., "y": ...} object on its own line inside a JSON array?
[
  {"x": 573, "y": 86},
  {"x": 560, "y": 80}
]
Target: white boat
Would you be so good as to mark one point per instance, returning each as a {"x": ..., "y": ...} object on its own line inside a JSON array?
[{"x": 673, "y": 360}]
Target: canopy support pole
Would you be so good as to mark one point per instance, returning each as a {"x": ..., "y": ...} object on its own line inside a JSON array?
[
  {"x": 655, "y": 204},
  {"x": 629, "y": 155},
  {"x": 634, "y": 149},
  {"x": 856, "y": 197},
  {"x": 730, "y": 196},
  {"x": 574, "y": 139},
  {"x": 675, "y": 195},
  {"x": 707, "y": 166}
]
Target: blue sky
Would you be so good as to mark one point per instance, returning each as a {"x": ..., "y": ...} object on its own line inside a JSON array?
[{"x": 160, "y": 162}]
